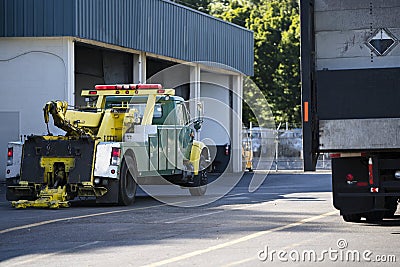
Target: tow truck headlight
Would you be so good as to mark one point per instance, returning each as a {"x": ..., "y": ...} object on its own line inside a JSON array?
[
  {"x": 397, "y": 175},
  {"x": 96, "y": 180}
]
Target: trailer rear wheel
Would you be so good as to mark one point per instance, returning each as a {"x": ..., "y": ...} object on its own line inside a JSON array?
[
  {"x": 351, "y": 217},
  {"x": 374, "y": 216},
  {"x": 201, "y": 179},
  {"x": 127, "y": 185},
  {"x": 391, "y": 206}
]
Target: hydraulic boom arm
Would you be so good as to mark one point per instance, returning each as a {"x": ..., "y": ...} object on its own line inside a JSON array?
[{"x": 58, "y": 110}]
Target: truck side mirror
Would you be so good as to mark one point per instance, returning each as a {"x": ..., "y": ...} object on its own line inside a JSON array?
[
  {"x": 200, "y": 110},
  {"x": 200, "y": 113},
  {"x": 197, "y": 124}
]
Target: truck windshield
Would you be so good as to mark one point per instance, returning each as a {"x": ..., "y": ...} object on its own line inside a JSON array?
[
  {"x": 158, "y": 111},
  {"x": 140, "y": 105}
]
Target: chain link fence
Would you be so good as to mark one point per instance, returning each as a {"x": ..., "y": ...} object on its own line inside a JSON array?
[{"x": 279, "y": 149}]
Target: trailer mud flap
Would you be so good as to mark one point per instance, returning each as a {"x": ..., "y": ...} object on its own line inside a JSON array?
[{"x": 345, "y": 191}]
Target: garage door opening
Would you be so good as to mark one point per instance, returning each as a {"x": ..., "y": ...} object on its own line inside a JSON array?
[
  {"x": 95, "y": 65},
  {"x": 170, "y": 75}
]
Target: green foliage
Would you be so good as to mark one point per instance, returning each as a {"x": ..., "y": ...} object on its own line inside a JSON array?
[
  {"x": 200, "y": 5},
  {"x": 276, "y": 27}
]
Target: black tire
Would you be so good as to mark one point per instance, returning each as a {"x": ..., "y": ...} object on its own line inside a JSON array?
[
  {"x": 351, "y": 217},
  {"x": 389, "y": 213},
  {"x": 391, "y": 206},
  {"x": 374, "y": 216},
  {"x": 127, "y": 185},
  {"x": 200, "y": 180}
]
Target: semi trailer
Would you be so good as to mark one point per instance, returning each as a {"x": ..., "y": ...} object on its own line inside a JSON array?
[{"x": 350, "y": 61}]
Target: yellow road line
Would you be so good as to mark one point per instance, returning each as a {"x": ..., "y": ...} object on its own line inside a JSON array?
[
  {"x": 90, "y": 215},
  {"x": 238, "y": 240},
  {"x": 236, "y": 263},
  {"x": 194, "y": 216},
  {"x": 293, "y": 245}
]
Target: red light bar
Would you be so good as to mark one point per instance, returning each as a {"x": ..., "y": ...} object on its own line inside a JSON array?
[
  {"x": 148, "y": 86},
  {"x": 128, "y": 86},
  {"x": 123, "y": 86},
  {"x": 92, "y": 92},
  {"x": 106, "y": 87}
]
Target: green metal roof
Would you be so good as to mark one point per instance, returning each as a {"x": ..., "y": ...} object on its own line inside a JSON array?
[{"x": 155, "y": 26}]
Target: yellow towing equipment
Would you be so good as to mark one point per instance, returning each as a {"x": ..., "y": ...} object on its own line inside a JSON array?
[{"x": 48, "y": 198}]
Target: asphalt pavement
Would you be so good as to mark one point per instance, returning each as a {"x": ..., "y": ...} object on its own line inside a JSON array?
[{"x": 288, "y": 220}]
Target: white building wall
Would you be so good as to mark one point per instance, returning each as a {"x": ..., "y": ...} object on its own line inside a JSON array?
[
  {"x": 214, "y": 91},
  {"x": 223, "y": 123},
  {"x": 32, "y": 72}
]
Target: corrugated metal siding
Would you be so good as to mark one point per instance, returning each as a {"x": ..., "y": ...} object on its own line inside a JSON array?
[
  {"x": 155, "y": 26},
  {"x": 34, "y": 18}
]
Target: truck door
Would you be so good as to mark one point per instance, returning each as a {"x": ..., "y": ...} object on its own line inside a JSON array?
[{"x": 186, "y": 134}]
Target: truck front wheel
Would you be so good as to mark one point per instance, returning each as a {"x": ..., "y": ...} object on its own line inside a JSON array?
[
  {"x": 201, "y": 179},
  {"x": 127, "y": 186}
]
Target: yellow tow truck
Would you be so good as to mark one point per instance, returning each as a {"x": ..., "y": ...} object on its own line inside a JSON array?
[{"x": 130, "y": 134}]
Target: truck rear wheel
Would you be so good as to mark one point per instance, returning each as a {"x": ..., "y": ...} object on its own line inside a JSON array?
[
  {"x": 127, "y": 185},
  {"x": 201, "y": 179},
  {"x": 351, "y": 217}
]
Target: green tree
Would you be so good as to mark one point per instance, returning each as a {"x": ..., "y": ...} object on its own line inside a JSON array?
[
  {"x": 287, "y": 75},
  {"x": 200, "y": 5},
  {"x": 276, "y": 27},
  {"x": 277, "y": 55}
]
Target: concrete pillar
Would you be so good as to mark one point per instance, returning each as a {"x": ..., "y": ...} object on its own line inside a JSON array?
[
  {"x": 70, "y": 71},
  {"x": 236, "y": 122},
  {"x": 139, "y": 68}
]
